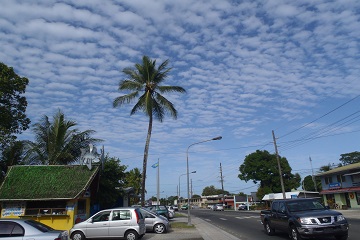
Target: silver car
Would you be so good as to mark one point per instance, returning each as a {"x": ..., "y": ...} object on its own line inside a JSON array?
[
  {"x": 125, "y": 222},
  {"x": 155, "y": 222},
  {"x": 19, "y": 229}
]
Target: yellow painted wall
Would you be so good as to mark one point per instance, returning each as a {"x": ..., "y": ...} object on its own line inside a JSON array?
[{"x": 60, "y": 222}]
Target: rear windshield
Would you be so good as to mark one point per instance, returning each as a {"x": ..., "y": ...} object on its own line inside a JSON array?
[{"x": 41, "y": 227}]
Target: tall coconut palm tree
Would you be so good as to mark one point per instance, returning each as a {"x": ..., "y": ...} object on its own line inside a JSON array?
[
  {"x": 144, "y": 82},
  {"x": 57, "y": 142}
]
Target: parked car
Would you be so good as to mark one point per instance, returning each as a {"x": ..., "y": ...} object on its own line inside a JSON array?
[
  {"x": 159, "y": 209},
  {"x": 218, "y": 207},
  {"x": 243, "y": 206},
  {"x": 29, "y": 229},
  {"x": 155, "y": 222},
  {"x": 175, "y": 208},
  {"x": 124, "y": 222},
  {"x": 171, "y": 212},
  {"x": 184, "y": 207}
]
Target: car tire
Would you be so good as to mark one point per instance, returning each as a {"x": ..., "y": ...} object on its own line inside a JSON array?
[
  {"x": 294, "y": 234},
  {"x": 78, "y": 236},
  {"x": 159, "y": 228},
  {"x": 269, "y": 230},
  {"x": 341, "y": 237},
  {"x": 131, "y": 235}
]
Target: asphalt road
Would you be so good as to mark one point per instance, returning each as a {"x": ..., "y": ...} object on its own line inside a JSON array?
[{"x": 246, "y": 225}]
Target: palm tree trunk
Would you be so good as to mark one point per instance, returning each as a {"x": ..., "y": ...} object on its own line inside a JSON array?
[{"x": 146, "y": 151}]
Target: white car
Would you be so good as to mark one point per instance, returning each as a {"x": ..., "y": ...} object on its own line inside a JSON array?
[
  {"x": 171, "y": 211},
  {"x": 218, "y": 207},
  {"x": 124, "y": 222}
]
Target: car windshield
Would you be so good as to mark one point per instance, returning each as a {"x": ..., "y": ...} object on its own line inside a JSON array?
[
  {"x": 38, "y": 225},
  {"x": 305, "y": 206}
]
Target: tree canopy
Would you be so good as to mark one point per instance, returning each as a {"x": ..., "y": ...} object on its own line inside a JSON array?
[
  {"x": 261, "y": 167},
  {"x": 13, "y": 119},
  {"x": 112, "y": 183},
  {"x": 350, "y": 158},
  {"x": 57, "y": 142},
  {"x": 144, "y": 83},
  {"x": 211, "y": 190},
  {"x": 308, "y": 184}
]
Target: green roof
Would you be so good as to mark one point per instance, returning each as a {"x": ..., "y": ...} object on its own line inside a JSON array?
[
  {"x": 38, "y": 182},
  {"x": 346, "y": 168}
]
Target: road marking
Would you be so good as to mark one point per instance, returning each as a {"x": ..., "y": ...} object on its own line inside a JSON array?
[
  {"x": 224, "y": 219},
  {"x": 206, "y": 219},
  {"x": 247, "y": 217}
]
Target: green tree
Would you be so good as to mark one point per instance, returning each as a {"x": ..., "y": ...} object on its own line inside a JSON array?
[
  {"x": 350, "y": 158},
  {"x": 57, "y": 142},
  {"x": 111, "y": 185},
  {"x": 144, "y": 82},
  {"x": 211, "y": 190},
  {"x": 13, "y": 154},
  {"x": 261, "y": 167},
  {"x": 133, "y": 179},
  {"x": 308, "y": 184},
  {"x": 13, "y": 119}
]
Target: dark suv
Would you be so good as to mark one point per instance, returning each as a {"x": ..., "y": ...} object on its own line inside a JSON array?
[{"x": 159, "y": 209}]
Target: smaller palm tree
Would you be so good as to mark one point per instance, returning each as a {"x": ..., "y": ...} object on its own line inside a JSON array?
[
  {"x": 57, "y": 142},
  {"x": 144, "y": 82}
]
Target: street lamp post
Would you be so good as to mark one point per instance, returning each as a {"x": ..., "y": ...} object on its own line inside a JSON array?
[
  {"x": 187, "y": 174},
  {"x": 179, "y": 184}
]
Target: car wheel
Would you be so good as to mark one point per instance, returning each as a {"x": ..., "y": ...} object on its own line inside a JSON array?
[
  {"x": 159, "y": 228},
  {"x": 341, "y": 237},
  {"x": 269, "y": 231},
  {"x": 77, "y": 236},
  {"x": 294, "y": 234},
  {"x": 131, "y": 235}
]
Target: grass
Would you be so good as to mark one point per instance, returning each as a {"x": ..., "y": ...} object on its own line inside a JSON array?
[{"x": 181, "y": 225}]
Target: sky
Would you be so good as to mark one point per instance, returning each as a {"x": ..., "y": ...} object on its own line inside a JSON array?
[{"x": 248, "y": 68}]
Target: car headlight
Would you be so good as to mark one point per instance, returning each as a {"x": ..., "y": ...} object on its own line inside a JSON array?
[
  {"x": 307, "y": 221},
  {"x": 340, "y": 218}
]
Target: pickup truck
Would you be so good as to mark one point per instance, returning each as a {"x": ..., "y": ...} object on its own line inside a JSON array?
[{"x": 304, "y": 218}]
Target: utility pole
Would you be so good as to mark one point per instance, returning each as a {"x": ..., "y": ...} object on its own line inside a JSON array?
[
  {"x": 222, "y": 184},
  {"x": 312, "y": 176},
  {"x": 279, "y": 166}
]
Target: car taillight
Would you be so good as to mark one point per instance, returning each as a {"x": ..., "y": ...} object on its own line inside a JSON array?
[{"x": 137, "y": 217}]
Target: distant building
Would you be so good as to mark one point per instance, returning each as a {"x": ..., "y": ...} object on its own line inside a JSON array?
[{"x": 341, "y": 186}]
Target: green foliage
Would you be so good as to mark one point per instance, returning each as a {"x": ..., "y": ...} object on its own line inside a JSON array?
[
  {"x": 11, "y": 155},
  {"x": 350, "y": 158},
  {"x": 13, "y": 105},
  {"x": 309, "y": 184},
  {"x": 211, "y": 190},
  {"x": 144, "y": 83},
  {"x": 111, "y": 186},
  {"x": 57, "y": 142},
  {"x": 261, "y": 167}
]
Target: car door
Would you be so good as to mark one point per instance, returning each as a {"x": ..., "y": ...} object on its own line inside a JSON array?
[
  {"x": 98, "y": 227},
  {"x": 282, "y": 217},
  {"x": 121, "y": 221}
]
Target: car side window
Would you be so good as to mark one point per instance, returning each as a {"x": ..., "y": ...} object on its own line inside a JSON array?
[
  {"x": 281, "y": 207},
  {"x": 10, "y": 229},
  {"x": 101, "y": 217},
  {"x": 125, "y": 215},
  {"x": 116, "y": 215},
  {"x": 275, "y": 206}
]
